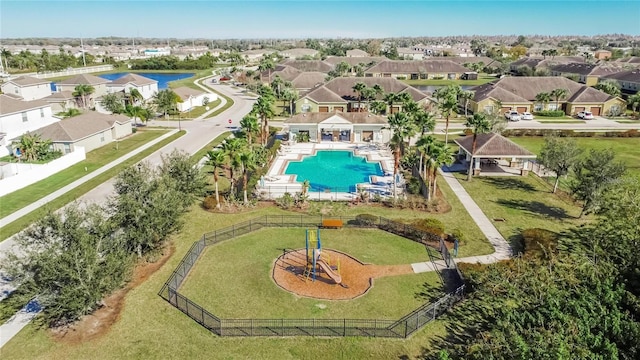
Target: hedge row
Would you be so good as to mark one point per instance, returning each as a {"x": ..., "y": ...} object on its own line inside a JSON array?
[
  {"x": 633, "y": 133},
  {"x": 550, "y": 113}
]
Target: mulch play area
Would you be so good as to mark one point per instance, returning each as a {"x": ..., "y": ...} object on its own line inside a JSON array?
[{"x": 357, "y": 278}]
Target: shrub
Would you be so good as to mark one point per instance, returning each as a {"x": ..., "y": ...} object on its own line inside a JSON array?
[
  {"x": 431, "y": 225},
  {"x": 456, "y": 234},
  {"x": 366, "y": 219},
  {"x": 209, "y": 202},
  {"x": 414, "y": 186},
  {"x": 467, "y": 131},
  {"x": 550, "y": 113},
  {"x": 401, "y": 78},
  {"x": 538, "y": 243},
  {"x": 286, "y": 201}
]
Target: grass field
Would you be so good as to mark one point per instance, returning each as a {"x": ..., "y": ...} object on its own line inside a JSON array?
[
  {"x": 241, "y": 269},
  {"x": 151, "y": 328},
  {"x": 74, "y": 194},
  {"x": 95, "y": 159}
]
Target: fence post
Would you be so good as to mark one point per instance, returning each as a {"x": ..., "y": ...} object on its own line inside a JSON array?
[
  {"x": 344, "y": 327},
  {"x": 233, "y": 230}
]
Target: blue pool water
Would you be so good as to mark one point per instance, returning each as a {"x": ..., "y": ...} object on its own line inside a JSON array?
[
  {"x": 335, "y": 170},
  {"x": 163, "y": 79}
]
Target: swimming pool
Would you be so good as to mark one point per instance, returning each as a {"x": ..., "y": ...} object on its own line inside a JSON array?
[{"x": 333, "y": 170}]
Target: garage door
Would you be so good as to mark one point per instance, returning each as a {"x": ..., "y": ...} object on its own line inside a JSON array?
[
  {"x": 338, "y": 108},
  {"x": 595, "y": 110},
  {"x": 578, "y": 109},
  {"x": 504, "y": 110},
  {"x": 323, "y": 109},
  {"x": 522, "y": 109}
]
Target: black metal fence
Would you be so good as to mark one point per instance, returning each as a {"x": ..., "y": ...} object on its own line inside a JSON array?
[{"x": 400, "y": 328}]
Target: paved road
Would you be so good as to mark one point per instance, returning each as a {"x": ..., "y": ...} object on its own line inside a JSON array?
[{"x": 599, "y": 123}]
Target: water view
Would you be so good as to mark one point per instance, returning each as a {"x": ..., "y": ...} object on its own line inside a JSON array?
[{"x": 163, "y": 79}]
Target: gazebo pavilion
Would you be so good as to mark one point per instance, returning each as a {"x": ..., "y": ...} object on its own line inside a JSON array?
[{"x": 495, "y": 153}]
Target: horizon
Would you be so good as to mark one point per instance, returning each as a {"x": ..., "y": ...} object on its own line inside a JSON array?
[{"x": 289, "y": 20}]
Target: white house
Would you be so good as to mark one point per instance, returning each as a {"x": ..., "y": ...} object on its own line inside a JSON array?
[
  {"x": 61, "y": 101},
  {"x": 147, "y": 87},
  {"x": 352, "y": 127},
  {"x": 18, "y": 117},
  {"x": 192, "y": 98},
  {"x": 27, "y": 87},
  {"x": 99, "y": 85}
]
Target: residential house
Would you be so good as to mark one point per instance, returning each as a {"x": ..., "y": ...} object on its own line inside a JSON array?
[
  {"x": 538, "y": 63},
  {"x": 27, "y": 87},
  {"x": 156, "y": 52},
  {"x": 18, "y": 117},
  {"x": 310, "y": 65},
  {"x": 582, "y": 72},
  {"x": 519, "y": 93},
  {"x": 364, "y": 62},
  {"x": 347, "y": 127},
  {"x": 602, "y": 55},
  {"x": 191, "y": 98},
  {"x": 630, "y": 60},
  {"x": 300, "y": 80},
  {"x": 629, "y": 80},
  {"x": 61, "y": 101},
  {"x": 147, "y": 87},
  {"x": 357, "y": 53},
  {"x": 410, "y": 53},
  {"x": 254, "y": 56},
  {"x": 338, "y": 95},
  {"x": 90, "y": 130},
  {"x": 99, "y": 86},
  {"x": 408, "y": 69},
  {"x": 298, "y": 53}
]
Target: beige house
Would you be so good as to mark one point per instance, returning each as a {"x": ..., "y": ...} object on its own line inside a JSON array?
[
  {"x": 338, "y": 95},
  {"x": 90, "y": 130},
  {"x": 99, "y": 85},
  {"x": 27, "y": 87},
  {"x": 629, "y": 80},
  {"x": 414, "y": 70},
  {"x": 519, "y": 93},
  {"x": 61, "y": 101},
  {"x": 584, "y": 73},
  {"x": 345, "y": 127},
  {"x": 147, "y": 87}
]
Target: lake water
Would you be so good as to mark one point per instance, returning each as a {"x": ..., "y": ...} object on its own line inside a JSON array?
[
  {"x": 432, "y": 88},
  {"x": 163, "y": 79}
]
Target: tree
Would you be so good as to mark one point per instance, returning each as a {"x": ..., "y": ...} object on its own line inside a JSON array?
[
  {"x": 378, "y": 107},
  {"x": 342, "y": 67},
  {"x": 610, "y": 87},
  {"x": 423, "y": 145},
  {"x": 479, "y": 124},
  {"x": 559, "y": 94},
  {"x": 82, "y": 92},
  {"x": 290, "y": 95},
  {"x": 135, "y": 112},
  {"x": 263, "y": 108},
  {"x": 634, "y": 102},
  {"x": 439, "y": 154},
  {"x": 543, "y": 98},
  {"x": 358, "y": 88},
  {"x": 390, "y": 99},
  {"x": 250, "y": 125},
  {"x": 232, "y": 148},
  {"x": 112, "y": 102},
  {"x": 134, "y": 96},
  {"x": 32, "y": 147},
  {"x": 248, "y": 162},
  {"x": 165, "y": 100},
  {"x": 216, "y": 159},
  {"x": 559, "y": 155},
  {"x": 184, "y": 174},
  {"x": 402, "y": 126},
  {"x": 425, "y": 121},
  {"x": 267, "y": 64},
  {"x": 447, "y": 104},
  {"x": 593, "y": 175},
  {"x": 68, "y": 261},
  {"x": 69, "y": 113},
  {"x": 466, "y": 95}
]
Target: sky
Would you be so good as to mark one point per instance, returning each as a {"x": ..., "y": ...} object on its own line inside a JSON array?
[{"x": 314, "y": 19}]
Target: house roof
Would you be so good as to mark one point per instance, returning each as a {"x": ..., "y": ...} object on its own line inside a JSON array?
[
  {"x": 357, "y": 52},
  {"x": 59, "y": 96},
  {"x": 308, "y": 80},
  {"x": 285, "y": 72},
  {"x": 527, "y": 87},
  {"x": 79, "y": 127},
  {"x": 589, "y": 95},
  {"x": 27, "y": 81},
  {"x": 493, "y": 145},
  {"x": 134, "y": 79},
  {"x": 300, "y": 52},
  {"x": 629, "y": 75},
  {"x": 354, "y": 60},
  {"x": 585, "y": 69},
  {"x": 185, "y": 92},
  {"x": 83, "y": 79},
  {"x": 341, "y": 89},
  {"x": 352, "y": 117},
  {"x": 10, "y": 105},
  {"x": 630, "y": 60},
  {"x": 491, "y": 91},
  {"x": 539, "y": 62},
  {"x": 412, "y": 66},
  {"x": 473, "y": 59},
  {"x": 310, "y": 65}
]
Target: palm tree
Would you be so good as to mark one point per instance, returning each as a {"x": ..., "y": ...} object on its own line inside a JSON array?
[
  {"x": 277, "y": 85},
  {"x": 32, "y": 146},
  {"x": 112, "y": 102},
  {"x": 267, "y": 64},
  {"x": 250, "y": 125},
  {"x": 290, "y": 95},
  {"x": 217, "y": 159},
  {"x": 559, "y": 94},
  {"x": 165, "y": 100},
  {"x": 410, "y": 107},
  {"x": 634, "y": 102},
  {"x": 263, "y": 108},
  {"x": 82, "y": 91},
  {"x": 396, "y": 143},
  {"x": 402, "y": 126},
  {"x": 135, "y": 96},
  {"x": 342, "y": 68},
  {"x": 248, "y": 162},
  {"x": 447, "y": 104},
  {"x": 232, "y": 149},
  {"x": 390, "y": 99},
  {"x": 439, "y": 155},
  {"x": 69, "y": 113},
  {"x": 479, "y": 124},
  {"x": 135, "y": 112},
  {"x": 466, "y": 95},
  {"x": 358, "y": 88},
  {"x": 423, "y": 145},
  {"x": 610, "y": 87},
  {"x": 378, "y": 107},
  {"x": 425, "y": 121},
  {"x": 543, "y": 98}
]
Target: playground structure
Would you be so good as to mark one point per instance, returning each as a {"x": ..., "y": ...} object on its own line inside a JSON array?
[{"x": 316, "y": 260}]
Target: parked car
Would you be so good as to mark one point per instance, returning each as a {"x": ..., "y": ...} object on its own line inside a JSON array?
[
  {"x": 586, "y": 115},
  {"x": 512, "y": 115},
  {"x": 526, "y": 116}
]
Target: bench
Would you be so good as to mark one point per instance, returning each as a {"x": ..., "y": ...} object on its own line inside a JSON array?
[{"x": 332, "y": 223}]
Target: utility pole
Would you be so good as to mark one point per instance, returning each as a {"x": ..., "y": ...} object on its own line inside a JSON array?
[{"x": 84, "y": 61}]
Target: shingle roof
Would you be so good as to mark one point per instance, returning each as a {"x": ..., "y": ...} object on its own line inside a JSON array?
[
  {"x": 285, "y": 72},
  {"x": 79, "y": 127},
  {"x": 492, "y": 91},
  {"x": 10, "y": 105},
  {"x": 134, "y": 79},
  {"x": 310, "y": 65},
  {"x": 352, "y": 117},
  {"x": 59, "y": 95},
  {"x": 493, "y": 145},
  {"x": 324, "y": 95},
  {"x": 473, "y": 59},
  {"x": 412, "y": 66},
  {"x": 342, "y": 88},
  {"x": 186, "y": 92},
  {"x": 28, "y": 80},
  {"x": 307, "y": 80},
  {"x": 585, "y": 69},
  {"x": 629, "y": 75},
  {"x": 589, "y": 95},
  {"x": 83, "y": 79},
  {"x": 335, "y": 60},
  {"x": 357, "y": 52}
]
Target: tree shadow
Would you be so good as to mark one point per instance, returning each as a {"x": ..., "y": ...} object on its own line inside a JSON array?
[
  {"x": 509, "y": 183},
  {"x": 536, "y": 208}
]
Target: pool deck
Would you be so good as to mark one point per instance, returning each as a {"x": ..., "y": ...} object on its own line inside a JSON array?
[{"x": 276, "y": 183}]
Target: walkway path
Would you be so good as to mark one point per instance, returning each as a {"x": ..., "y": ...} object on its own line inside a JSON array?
[{"x": 501, "y": 246}]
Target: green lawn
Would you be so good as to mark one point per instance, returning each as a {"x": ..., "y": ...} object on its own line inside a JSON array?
[
  {"x": 150, "y": 328},
  {"x": 482, "y": 79},
  {"x": 241, "y": 269},
  {"x": 626, "y": 149},
  {"x": 74, "y": 194},
  {"x": 95, "y": 160}
]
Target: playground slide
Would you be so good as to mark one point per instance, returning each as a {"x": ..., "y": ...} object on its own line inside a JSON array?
[{"x": 332, "y": 274}]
